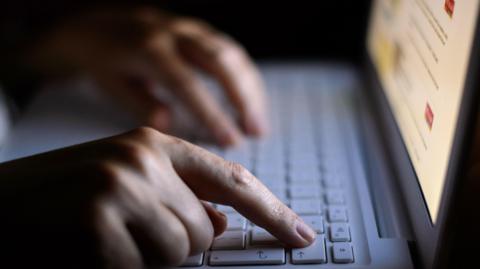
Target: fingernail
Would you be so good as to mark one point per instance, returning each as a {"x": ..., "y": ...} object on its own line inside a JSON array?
[{"x": 305, "y": 231}]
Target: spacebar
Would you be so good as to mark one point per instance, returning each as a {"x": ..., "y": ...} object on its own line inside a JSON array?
[{"x": 248, "y": 257}]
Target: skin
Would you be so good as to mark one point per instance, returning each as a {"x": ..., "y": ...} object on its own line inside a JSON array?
[
  {"x": 130, "y": 201},
  {"x": 130, "y": 51},
  {"x": 138, "y": 199}
]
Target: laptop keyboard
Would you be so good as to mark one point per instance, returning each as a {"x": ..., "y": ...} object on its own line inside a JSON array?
[{"x": 298, "y": 163}]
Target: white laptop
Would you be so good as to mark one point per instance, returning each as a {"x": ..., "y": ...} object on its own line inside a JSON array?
[{"x": 369, "y": 156}]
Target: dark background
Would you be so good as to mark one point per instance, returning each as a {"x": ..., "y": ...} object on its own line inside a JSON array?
[
  {"x": 315, "y": 29},
  {"x": 269, "y": 29},
  {"x": 299, "y": 29}
]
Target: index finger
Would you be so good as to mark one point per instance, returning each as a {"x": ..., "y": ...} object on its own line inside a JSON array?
[
  {"x": 214, "y": 179},
  {"x": 183, "y": 82},
  {"x": 230, "y": 65}
]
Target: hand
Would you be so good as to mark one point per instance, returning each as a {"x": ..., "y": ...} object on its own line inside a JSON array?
[
  {"x": 129, "y": 201},
  {"x": 129, "y": 51}
]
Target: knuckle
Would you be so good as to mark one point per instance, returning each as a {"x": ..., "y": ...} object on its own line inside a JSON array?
[
  {"x": 230, "y": 54},
  {"x": 113, "y": 183},
  {"x": 109, "y": 174},
  {"x": 135, "y": 154},
  {"x": 241, "y": 177},
  {"x": 145, "y": 133},
  {"x": 176, "y": 141}
]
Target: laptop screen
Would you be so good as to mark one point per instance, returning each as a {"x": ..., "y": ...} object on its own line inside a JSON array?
[{"x": 421, "y": 50}]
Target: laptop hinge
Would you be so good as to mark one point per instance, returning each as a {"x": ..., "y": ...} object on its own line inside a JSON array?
[{"x": 388, "y": 204}]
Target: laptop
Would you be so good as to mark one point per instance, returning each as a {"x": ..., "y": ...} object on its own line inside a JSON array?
[{"x": 370, "y": 156}]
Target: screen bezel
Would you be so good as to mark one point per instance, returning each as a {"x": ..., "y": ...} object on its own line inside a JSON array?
[{"x": 429, "y": 237}]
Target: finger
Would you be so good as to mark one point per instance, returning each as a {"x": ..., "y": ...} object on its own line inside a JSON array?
[
  {"x": 176, "y": 195},
  {"x": 219, "y": 220},
  {"x": 116, "y": 245},
  {"x": 161, "y": 236},
  {"x": 193, "y": 93},
  {"x": 157, "y": 231},
  {"x": 217, "y": 180},
  {"x": 137, "y": 93},
  {"x": 230, "y": 65}
]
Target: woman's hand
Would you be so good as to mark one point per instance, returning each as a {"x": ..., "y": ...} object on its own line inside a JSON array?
[
  {"x": 129, "y": 51},
  {"x": 128, "y": 201}
]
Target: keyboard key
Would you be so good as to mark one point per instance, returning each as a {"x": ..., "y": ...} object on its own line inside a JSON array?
[
  {"x": 306, "y": 206},
  {"x": 229, "y": 240},
  {"x": 270, "y": 256},
  {"x": 272, "y": 178},
  {"x": 271, "y": 156},
  {"x": 337, "y": 214},
  {"x": 342, "y": 253},
  {"x": 303, "y": 164},
  {"x": 302, "y": 155},
  {"x": 275, "y": 183},
  {"x": 332, "y": 177},
  {"x": 339, "y": 232},
  {"x": 269, "y": 163},
  {"x": 194, "y": 261},
  {"x": 299, "y": 176},
  {"x": 316, "y": 222},
  {"x": 260, "y": 236},
  {"x": 334, "y": 197},
  {"x": 297, "y": 169},
  {"x": 274, "y": 150},
  {"x": 315, "y": 253},
  {"x": 236, "y": 221},
  {"x": 271, "y": 167},
  {"x": 304, "y": 191},
  {"x": 332, "y": 183}
]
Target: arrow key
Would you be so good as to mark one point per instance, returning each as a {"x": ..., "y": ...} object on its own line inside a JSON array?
[
  {"x": 315, "y": 253},
  {"x": 339, "y": 232},
  {"x": 342, "y": 253}
]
